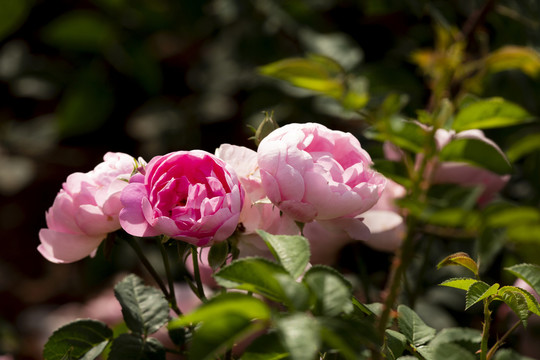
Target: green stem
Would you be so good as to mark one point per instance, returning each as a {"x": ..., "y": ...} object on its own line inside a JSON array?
[
  {"x": 135, "y": 246},
  {"x": 172, "y": 296},
  {"x": 197, "y": 274},
  {"x": 485, "y": 331},
  {"x": 499, "y": 342}
]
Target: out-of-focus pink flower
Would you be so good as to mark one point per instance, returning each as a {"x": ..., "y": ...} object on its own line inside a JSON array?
[
  {"x": 191, "y": 196},
  {"x": 85, "y": 210},
  {"x": 466, "y": 174},
  {"x": 311, "y": 172},
  {"x": 459, "y": 173}
]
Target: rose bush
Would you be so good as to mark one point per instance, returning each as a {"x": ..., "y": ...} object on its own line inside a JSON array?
[
  {"x": 85, "y": 210},
  {"x": 187, "y": 195},
  {"x": 311, "y": 172}
]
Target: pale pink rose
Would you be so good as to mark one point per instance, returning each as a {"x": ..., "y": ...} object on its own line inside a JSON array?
[
  {"x": 311, "y": 172},
  {"x": 257, "y": 212},
  {"x": 85, "y": 210},
  {"x": 191, "y": 196}
]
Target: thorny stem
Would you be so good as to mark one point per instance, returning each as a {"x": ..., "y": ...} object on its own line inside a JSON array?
[
  {"x": 501, "y": 340},
  {"x": 485, "y": 331},
  {"x": 135, "y": 246},
  {"x": 197, "y": 274},
  {"x": 172, "y": 296}
]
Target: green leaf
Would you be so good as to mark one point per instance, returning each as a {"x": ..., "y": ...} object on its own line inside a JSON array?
[
  {"x": 532, "y": 303},
  {"x": 144, "y": 308},
  {"x": 361, "y": 308},
  {"x": 215, "y": 336},
  {"x": 524, "y": 146},
  {"x": 413, "y": 327},
  {"x": 232, "y": 303},
  {"x": 524, "y": 233},
  {"x": 461, "y": 259},
  {"x": 331, "y": 290},
  {"x": 224, "y": 320},
  {"x": 449, "y": 351},
  {"x": 451, "y": 217},
  {"x": 405, "y": 134},
  {"x": 530, "y": 273},
  {"x": 296, "y": 295},
  {"x": 348, "y": 336},
  {"x": 478, "y": 292},
  {"x": 292, "y": 251},
  {"x": 396, "y": 171},
  {"x": 300, "y": 335},
  {"x": 311, "y": 73},
  {"x": 512, "y": 57},
  {"x": 12, "y": 16},
  {"x": 510, "y": 216},
  {"x": 79, "y": 30},
  {"x": 459, "y": 283},
  {"x": 253, "y": 274},
  {"x": 81, "y": 338},
  {"x": 457, "y": 334},
  {"x": 396, "y": 343},
  {"x": 266, "y": 347},
  {"x": 516, "y": 301},
  {"x": 476, "y": 152},
  {"x": 86, "y": 103},
  {"x": 509, "y": 354},
  {"x": 218, "y": 254},
  {"x": 490, "y": 113},
  {"x": 133, "y": 347}
]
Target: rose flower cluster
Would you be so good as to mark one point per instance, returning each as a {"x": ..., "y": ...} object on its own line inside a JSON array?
[{"x": 300, "y": 173}]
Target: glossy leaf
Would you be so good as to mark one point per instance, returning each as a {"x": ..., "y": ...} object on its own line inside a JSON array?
[
  {"x": 300, "y": 335},
  {"x": 308, "y": 73},
  {"x": 457, "y": 334},
  {"x": 476, "y": 152},
  {"x": 81, "y": 338},
  {"x": 510, "y": 216},
  {"x": 461, "y": 259},
  {"x": 459, "y": 283},
  {"x": 513, "y": 57},
  {"x": 532, "y": 303},
  {"x": 266, "y": 347},
  {"x": 396, "y": 343},
  {"x": 449, "y": 351},
  {"x": 530, "y": 273},
  {"x": 13, "y": 14},
  {"x": 232, "y": 303},
  {"x": 133, "y": 347},
  {"x": 253, "y": 274},
  {"x": 516, "y": 301},
  {"x": 478, "y": 292},
  {"x": 490, "y": 113},
  {"x": 292, "y": 251},
  {"x": 348, "y": 336},
  {"x": 406, "y": 134},
  {"x": 144, "y": 308},
  {"x": 332, "y": 292},
  {"x": 413, "y": 327}
]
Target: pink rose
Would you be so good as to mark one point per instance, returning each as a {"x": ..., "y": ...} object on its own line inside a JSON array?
[
  {"x": 311, "y": 172},
  {"x": 257, "y": 212},
  {"x": 85, "y": 210},
  {"x": 187, "y": 195}
]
